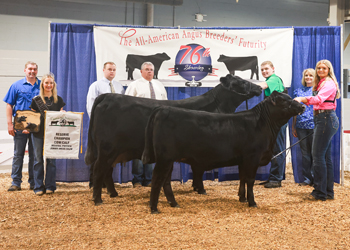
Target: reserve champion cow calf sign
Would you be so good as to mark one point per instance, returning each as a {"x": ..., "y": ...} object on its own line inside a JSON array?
[{"x": 62, "y": 135}]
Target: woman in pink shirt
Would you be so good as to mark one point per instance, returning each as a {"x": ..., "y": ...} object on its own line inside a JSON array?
[{"x": 325, "y": 93}]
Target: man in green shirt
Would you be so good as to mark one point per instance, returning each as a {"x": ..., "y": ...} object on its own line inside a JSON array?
[
  {"x": 278, "y": 164},
  {"x": 272, "y": 82}
]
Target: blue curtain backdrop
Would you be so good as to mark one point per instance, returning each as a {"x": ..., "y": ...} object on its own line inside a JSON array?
[
  {"x": 72, "y": 60},
  {"x": 312, "y": 44}
]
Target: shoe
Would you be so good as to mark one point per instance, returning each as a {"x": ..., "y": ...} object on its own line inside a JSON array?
[
  {"x": 137, "y": 184},
  {"x": 304, "y": 184},
  {"x": 261, "y": 183},
  {"x": 39, "y": 193},
  {"x": 273, "y": 184},
  {"x": 310, "y": 197},
  {"x": 31, "y": 187},
  {"x": 48, "y": 191},
  {"x": 14, "y": 188},
  {"x": 330, "y": 197}
]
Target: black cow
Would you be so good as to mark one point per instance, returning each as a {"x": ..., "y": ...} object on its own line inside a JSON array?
[
  {"x": 135, "y": 61},
  {"x": 241, "y": 63},
  {"x": 21, "y": 119},
  {"x": 118, "y": 122},
  {"x": 207, "y": 141},
  {"x": 31, "y": 126}
]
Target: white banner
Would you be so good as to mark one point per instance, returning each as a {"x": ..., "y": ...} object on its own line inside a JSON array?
[
  {"x": 199, "y": 55},
  {"x": 62, "y": 135}
]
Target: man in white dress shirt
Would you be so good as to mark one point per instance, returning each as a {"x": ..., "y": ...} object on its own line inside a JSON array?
[
  {"x": 105, "y": 85},
  {"x": 146, "y": 87}
]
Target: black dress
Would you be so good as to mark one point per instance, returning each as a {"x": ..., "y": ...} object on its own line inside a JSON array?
[{"x": 52, "y": 107}]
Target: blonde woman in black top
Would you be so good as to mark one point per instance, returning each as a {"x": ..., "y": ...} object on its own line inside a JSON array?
[{"x": 53, "y": 102}]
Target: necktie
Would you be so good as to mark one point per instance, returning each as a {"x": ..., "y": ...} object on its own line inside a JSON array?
[
  {"x": 153, "y": 95},
  {"x": 112, "y": 88}
]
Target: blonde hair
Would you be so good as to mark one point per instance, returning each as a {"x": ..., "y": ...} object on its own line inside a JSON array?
[
  {"x": 105, "y": 64},
  {"x": 311, "y": 71},
  {"x": 330, "y": 76},
  {"x": 30, "y": 62},
  {"x": 54, "y": 89},
  {"x": 268, "y": 63}
]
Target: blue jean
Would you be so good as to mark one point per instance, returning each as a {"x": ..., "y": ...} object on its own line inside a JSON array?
[
  {"x": 279, "y": 163},
  {"x": 326, "y": 125},
  {"x": 306, "y": 147},
  {"x": 50, "y": 177},
  {"x": 20, "y": 141},
  {"x": 142, "y": 172}
]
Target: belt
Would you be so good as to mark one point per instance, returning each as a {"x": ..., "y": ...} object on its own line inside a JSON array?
[{"x": 319, "y": 111}]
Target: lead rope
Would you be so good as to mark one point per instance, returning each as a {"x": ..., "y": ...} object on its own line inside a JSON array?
[
  {"x": 291, "y": 147},
  {"x": 264, "y": 182}
]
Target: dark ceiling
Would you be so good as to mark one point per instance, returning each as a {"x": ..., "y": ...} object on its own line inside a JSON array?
[{"x": 163, "y": 2}]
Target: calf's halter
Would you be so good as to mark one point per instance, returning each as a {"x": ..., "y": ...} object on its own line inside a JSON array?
[{"x": 246, "y": 101}]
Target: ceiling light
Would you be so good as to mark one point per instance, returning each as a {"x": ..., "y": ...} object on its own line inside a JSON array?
[{"x": 200, "y": 17}]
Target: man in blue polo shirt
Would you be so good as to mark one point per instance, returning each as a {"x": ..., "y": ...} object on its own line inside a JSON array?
[
  {"x": 19, "y": 97},
  {"x": 274, "y": 83}
]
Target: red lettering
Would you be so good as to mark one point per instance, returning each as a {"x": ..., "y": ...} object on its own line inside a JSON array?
[
  {"x": 206, "y": 52},
  {"x": 125, "y": 35},
  {"x": 195, "y": 53},
  {"x": 240, "y": 41},
  {"x": 186, "y": 52}
]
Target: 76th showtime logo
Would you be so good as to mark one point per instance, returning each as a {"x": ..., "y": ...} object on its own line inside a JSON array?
[{"x": 193, "y": 62}]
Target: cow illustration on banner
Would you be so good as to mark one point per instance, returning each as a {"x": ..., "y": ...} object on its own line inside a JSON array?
[
  {"x": 62, "y": 134},
  {"x": 135, "y": 61},
  {"x": 241, "y": 63},
  {"x": 193, "y": 57}
]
